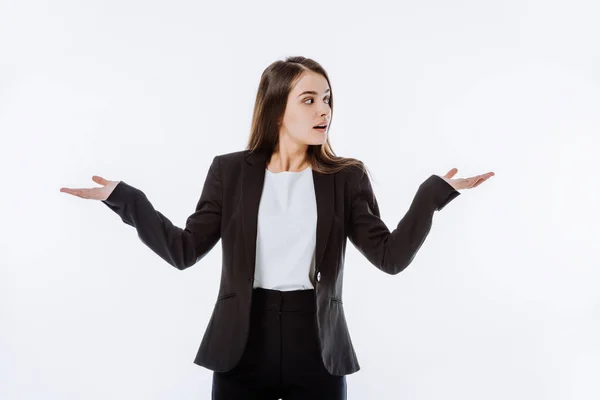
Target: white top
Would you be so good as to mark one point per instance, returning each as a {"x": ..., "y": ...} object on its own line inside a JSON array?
[{"x": 286, "y": 232}]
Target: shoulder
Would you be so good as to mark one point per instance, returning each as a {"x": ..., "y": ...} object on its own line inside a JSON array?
[
  {"x": 230, "y": 161},
  {"x": 355, "y": 173},
  {"x": 232, "y": 156}
]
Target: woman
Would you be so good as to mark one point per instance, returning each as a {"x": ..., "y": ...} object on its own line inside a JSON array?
[{"x": 283, "y": 209}]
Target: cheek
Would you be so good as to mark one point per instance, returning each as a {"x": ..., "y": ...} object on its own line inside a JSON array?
[{"x": 298, "y": 120}]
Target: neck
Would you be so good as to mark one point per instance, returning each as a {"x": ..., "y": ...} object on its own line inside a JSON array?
[
  {"x": 289, "y": 154},
  {"x": 292, "y": 162}
]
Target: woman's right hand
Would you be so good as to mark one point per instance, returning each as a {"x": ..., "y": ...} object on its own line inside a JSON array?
[{"x": 97, "y": 193}]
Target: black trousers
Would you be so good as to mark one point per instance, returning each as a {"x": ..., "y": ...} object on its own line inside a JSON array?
[{"x": 282, "y": 358}]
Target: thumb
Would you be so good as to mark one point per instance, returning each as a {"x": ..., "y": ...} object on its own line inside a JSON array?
[
  {"x": 451, "y": 173},
  {"x": 100, "y": 180}
]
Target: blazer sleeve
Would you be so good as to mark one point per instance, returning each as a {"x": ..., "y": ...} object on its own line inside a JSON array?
[
  {"x": 181, "y": 248},
  {"x": 393, "y": 252}
]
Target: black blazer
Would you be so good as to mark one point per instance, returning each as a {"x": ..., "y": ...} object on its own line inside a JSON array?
[{"x": 228, "y": 210}]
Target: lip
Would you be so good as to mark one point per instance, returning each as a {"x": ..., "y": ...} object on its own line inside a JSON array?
[{"x": 324, "y": 123}]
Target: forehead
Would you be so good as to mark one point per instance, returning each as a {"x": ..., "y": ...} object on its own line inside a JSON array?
[{"x": 311, "y": 81}]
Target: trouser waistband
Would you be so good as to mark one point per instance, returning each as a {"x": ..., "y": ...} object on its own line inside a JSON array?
[{"x": 283, "y": 301}]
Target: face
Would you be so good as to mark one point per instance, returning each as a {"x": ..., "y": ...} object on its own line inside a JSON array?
[{"x": 307, "y": 106}]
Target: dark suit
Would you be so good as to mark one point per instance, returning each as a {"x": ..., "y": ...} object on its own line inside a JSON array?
[{"x": 228, "y": 210}]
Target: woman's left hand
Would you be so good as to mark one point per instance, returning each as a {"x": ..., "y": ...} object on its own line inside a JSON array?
[{"x": 465, "y": 183}]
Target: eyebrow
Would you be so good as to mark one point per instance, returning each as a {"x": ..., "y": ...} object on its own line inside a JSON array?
[{"x": 311, "y": 92}]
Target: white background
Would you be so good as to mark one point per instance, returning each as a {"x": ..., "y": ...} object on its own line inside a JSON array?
[{"x": 502, "y": 300}]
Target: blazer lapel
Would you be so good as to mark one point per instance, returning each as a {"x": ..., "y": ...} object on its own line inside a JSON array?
[{"x": 253, "y": 177}]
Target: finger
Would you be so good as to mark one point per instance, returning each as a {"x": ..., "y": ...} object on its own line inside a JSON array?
[
  {"x": 482, "y": 176},
  {"x": 478, "y": 182},
  {"x": 67, "y": 190},
  {"x": 451, "y": 173},
  {"x": 486, "y": 177},
  {"x": 83, "y": 193},
  {"x": 100, "y": 180}
]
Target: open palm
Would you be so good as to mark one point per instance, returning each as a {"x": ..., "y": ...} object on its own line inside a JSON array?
[
  {"x": 97, "y": 193},
  {"x": 466, "y": 183}
]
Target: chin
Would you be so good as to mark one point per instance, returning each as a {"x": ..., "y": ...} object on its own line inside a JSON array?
[
  {"x": 317, "y": 142},
  {"x": 321, "y": 139}
]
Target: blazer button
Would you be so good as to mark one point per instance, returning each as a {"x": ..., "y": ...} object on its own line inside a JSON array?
[{"x": 319, "y": 276}]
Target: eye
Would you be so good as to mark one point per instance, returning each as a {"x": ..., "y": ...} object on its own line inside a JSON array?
[{"x": 310, "y": 98}]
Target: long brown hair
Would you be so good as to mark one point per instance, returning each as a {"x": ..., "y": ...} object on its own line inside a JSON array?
[{"x": 276, "y": 82}]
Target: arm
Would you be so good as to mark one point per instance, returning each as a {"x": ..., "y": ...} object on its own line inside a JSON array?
[
  {"x": 181, "y": 248},
  {"x": 393, "y": 252}
]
